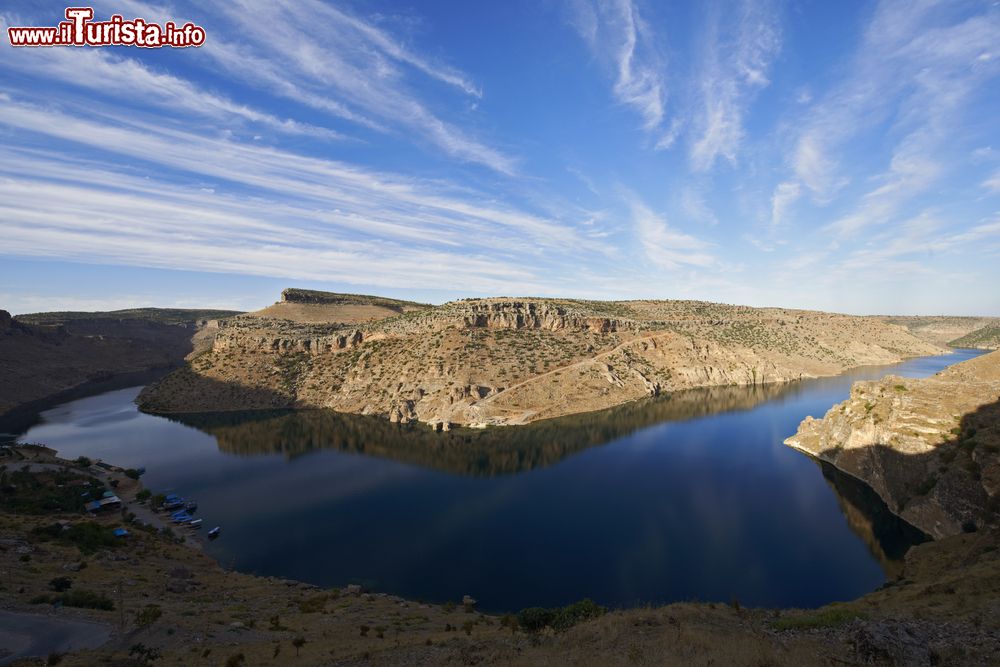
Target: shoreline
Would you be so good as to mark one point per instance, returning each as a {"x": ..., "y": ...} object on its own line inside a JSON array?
[{"x": 438, "y": 425}]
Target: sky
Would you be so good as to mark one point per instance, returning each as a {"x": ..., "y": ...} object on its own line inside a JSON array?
[{"x": 841, "y": 156}]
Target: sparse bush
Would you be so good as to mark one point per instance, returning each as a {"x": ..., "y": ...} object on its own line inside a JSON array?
[
  {"x": 824, "y": 618},
  {"x": 314, "y": 604}
]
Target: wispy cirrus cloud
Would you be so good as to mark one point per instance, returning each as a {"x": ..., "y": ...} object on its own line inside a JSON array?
[
  {"x": 335, "y": 62},
  {"x": 330, "y": 60},
  {"x": 262, "y": 210},
  {"x": 785, "y": 195},
  {"x": 992, "y": 183},
  {"x": 665, "y": 246},
  {"x": 739, "y": 49},
  {"x": 914, "y": 70},
  {"x": 127, "y": 80},
  {"x": 624, "y": 44}
]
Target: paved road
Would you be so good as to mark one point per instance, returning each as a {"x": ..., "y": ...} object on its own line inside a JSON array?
[{"x": 25, "y": 635}]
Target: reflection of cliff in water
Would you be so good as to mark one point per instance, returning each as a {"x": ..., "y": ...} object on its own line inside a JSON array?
[
  {"x": 486, "y": 452},
  {"x": 888, "y": 537}
]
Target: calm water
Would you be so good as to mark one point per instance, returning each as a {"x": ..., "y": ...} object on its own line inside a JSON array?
[{"x": 690, "y": 496}]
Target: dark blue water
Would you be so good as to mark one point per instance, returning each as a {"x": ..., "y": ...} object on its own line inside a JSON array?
[{"x": 685, "y": 497}]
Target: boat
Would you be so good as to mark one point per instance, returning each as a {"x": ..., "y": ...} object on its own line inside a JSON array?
[
  {"x": 183, "y": 517},
  {"x": 194, "y": 523},
  {"x": 214, "y": 533},
  {"x": 173, "y": 502},
  {"x": 191, "y": 506}
]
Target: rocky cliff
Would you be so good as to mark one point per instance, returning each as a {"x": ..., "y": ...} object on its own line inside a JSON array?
[
  {"x": 514, "y": 360},
  {"x": 928, "y": 447}
]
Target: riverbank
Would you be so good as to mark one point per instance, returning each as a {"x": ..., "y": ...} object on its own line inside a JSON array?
[
  {"x": 175, "y": 600},
  {"x": 929, "y": 447}
]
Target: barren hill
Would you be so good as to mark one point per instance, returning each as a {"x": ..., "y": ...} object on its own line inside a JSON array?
[{"x": 515, "y": 360}]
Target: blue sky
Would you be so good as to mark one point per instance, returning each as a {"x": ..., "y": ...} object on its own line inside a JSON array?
[{"x": 841, "y": 156}]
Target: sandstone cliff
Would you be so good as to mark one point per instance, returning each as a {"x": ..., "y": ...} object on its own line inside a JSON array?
[
  {"x": 928, "y": 447},
  {"x": 514, "y": 360}
]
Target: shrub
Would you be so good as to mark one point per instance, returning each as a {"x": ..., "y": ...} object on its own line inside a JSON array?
[
  {"x": 83, "y": 462},
  {"x": 536, "y": 619},
  {"x": 132, "y": 473},
  {"x": 148, "y": 615},
  {"x": 60, "y": 584},
  {"x": 143, "y": 654}
]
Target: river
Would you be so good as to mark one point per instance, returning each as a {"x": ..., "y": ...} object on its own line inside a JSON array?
[{"x": 690, "y": 496}]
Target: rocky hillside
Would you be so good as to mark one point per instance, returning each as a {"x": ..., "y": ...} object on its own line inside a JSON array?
[
  {"x": 928, "y": 447},
  {"x": 987, "y": 338},
  {"x": 44, "y": 354},
  {"x": 512, "y": 361},
  {"x": 943, "y": 329}
]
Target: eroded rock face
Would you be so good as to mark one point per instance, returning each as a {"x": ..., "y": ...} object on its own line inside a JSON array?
[
  {"x": 480, "y": 362},
  {"x": 231, "y": 337},
  {"x": 532, "y": 315},
  {"x": 927, "y": 447}
]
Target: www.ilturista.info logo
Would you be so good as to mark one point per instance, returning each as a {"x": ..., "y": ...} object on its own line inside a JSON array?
[{"x": 81, "y": 30}]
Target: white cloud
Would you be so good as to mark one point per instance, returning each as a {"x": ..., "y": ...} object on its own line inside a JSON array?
[{"x": 785, "y": 195}]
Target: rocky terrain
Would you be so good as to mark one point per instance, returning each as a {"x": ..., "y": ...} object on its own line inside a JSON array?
[
  {"x": 944, "y": 329},
  {"x": 986, "y": 338},
  {"x": 47, "y": 354},
  {"x": 161, "y": 602},
  {"x": 930, "y": 448},
  {"x": 496, "y": 361}
]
